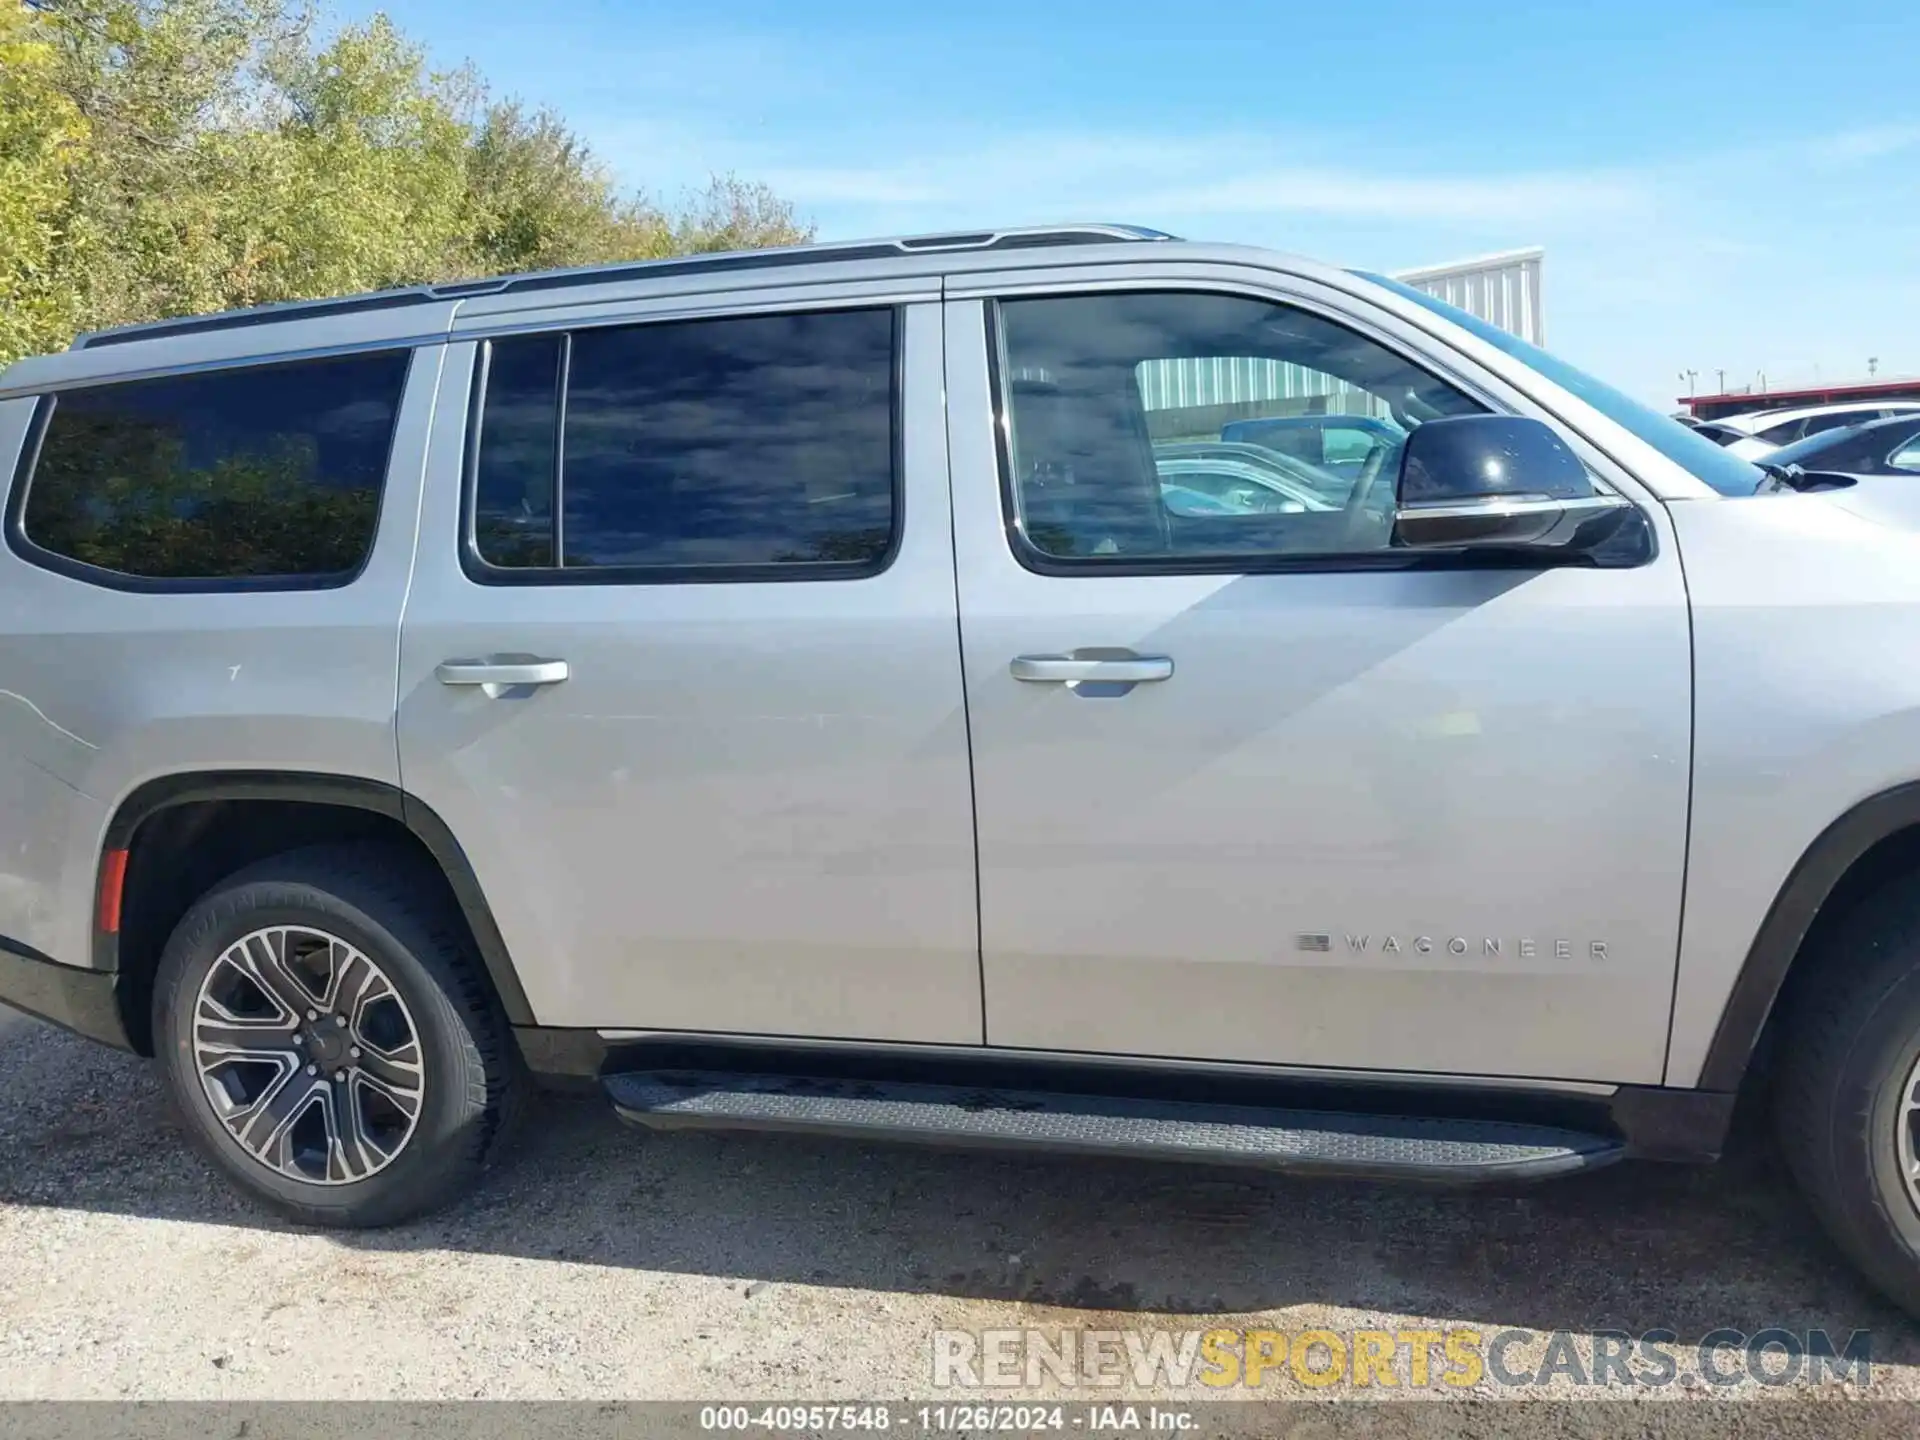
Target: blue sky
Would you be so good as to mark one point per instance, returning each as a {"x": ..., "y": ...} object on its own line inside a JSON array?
[{"x": 1717, "y": 185}]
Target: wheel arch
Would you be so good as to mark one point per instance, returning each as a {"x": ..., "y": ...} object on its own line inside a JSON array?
[
  {"x": 1876, "y": 840},
  {"x": 373, "y": 799}
]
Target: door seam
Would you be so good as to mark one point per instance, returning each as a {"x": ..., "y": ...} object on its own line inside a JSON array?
[
  {"x": 960, "y": 656},
  {"x": 413, "y": 555},
  {"x": 1686, "y": 841}
]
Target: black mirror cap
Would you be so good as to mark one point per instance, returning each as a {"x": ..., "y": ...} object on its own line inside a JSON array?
[{"x": 1470, "y": 457}]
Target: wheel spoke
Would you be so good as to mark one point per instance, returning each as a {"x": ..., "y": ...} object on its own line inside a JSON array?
[
  {"x": 347, "y": 1155},
  {"x": 404, "y": 1095},
  {"x": 357, "y": 985},
  {"x": 262, "y": 957},
  {"x": 221, "y": 1033},
  {"x": 235, "y": 1111},
  {"x": 1907, "y": 1137},
  {"x": 393, "y": 1070},
  {"x": 358, "y": 1152},
  {"x": 213, "y": 1055},
  {"x": 262, "y": 1127}
]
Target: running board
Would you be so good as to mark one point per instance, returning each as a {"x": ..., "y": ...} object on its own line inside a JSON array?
[{"x": 1317, "y": 1142}]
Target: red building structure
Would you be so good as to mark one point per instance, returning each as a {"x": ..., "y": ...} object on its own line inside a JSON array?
[{"x": 1712, "y": 407}]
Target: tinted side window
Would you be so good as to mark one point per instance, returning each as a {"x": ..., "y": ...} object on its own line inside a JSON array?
[
  {"x": 270, "y": 472},
  {"x": 1844, "y": 452},
  {"x": 518, "y": 450},
  {"x": 1840, "y": 420},
  {"x": 745, "y": 447},
  {"x": 1167, "y": 426}
]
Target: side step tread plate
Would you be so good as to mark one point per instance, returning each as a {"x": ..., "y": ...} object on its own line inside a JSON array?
[{"x": 1321, "y": 1142}]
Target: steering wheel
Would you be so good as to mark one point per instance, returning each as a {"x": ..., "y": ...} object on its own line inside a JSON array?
[{"x": 1368, "y": 520}]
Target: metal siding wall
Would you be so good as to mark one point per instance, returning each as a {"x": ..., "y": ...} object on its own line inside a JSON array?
[
  {"x": 1237, "y": 380},
  {"x": 1504, "y": 290}
]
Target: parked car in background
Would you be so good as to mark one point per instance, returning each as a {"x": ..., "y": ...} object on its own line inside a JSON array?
[
  {"x": 1718, "y": 431},
  {"x": 1759, "y": 433},
  {"x": 1878, "y": 447},
  {"x": 1209, "y": 477},
  {"x": 1340, "y": 446}
]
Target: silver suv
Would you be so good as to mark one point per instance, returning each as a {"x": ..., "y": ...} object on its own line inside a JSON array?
[{"x": 785, "y": 690}]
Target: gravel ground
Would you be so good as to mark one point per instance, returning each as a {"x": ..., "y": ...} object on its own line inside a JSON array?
[{"x": 598, "y": 1263}]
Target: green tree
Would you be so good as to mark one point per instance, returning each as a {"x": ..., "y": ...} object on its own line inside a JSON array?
[
  {"x": 42, "y": 135},
  {"x": 735, "y": 214},
  {"x": 539, "y": 199},
  {"x": 166, "y": 157}
]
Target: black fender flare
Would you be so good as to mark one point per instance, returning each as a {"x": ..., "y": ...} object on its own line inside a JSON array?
[
  {"x": 350, "y": 791},
  {"x": 1776, "y": 945}
]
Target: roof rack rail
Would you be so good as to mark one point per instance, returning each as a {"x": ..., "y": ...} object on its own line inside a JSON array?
[{"x": 1033, "y": 237}]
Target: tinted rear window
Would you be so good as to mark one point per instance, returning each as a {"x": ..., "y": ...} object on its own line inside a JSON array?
[
  {"x": 741, "y": 447},
  {"x": 270, "y": 472}
]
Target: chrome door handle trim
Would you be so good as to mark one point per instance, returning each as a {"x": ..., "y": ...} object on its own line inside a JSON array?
[
  {"x": 1065, "y": 670},
  {"x": 503, "y": 672}
]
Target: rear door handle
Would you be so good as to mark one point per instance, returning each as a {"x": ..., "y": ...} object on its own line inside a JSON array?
[
  {"x": 501, "y": 672},
  {"x": 1065, "y": 670}
]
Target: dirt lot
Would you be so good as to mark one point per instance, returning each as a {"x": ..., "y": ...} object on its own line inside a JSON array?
[{"x": 603, "y": 1264}]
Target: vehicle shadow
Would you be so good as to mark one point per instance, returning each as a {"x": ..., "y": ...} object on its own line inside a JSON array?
[{"x": 1633, "y": 1248}]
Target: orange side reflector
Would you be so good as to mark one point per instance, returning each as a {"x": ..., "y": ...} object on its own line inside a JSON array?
[{"x": 113, "y": 880}]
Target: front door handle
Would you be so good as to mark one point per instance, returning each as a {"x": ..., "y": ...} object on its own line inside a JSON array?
[
  {"x": 1069, "y": 670},
  {"x": 501, "y": 672}
]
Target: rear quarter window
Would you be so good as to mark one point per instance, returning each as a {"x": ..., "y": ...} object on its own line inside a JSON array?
[{"x": 266, "y": 476}]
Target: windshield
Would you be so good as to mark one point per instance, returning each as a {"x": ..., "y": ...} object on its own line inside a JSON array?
[{"x": 1726, "y": 473}]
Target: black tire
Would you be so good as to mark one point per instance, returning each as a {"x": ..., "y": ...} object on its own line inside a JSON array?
[
  {"x": 1852, "y": 1039},
  {"x": 384, "y": 901}
]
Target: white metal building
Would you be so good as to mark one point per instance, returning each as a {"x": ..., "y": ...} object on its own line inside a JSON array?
[
  {"x": 1502, "y": 289},
  {"x": 1180, "y": 395}
]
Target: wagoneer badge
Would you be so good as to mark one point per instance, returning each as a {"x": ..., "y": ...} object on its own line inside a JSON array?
[{"x": 1489, "y": 946}]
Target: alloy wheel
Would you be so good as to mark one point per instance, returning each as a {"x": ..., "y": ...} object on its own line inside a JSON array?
[{"x": 308, "y": 1055}]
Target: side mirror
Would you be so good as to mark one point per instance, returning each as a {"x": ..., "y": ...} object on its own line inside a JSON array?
[{"x": 1498, "y": 480}]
